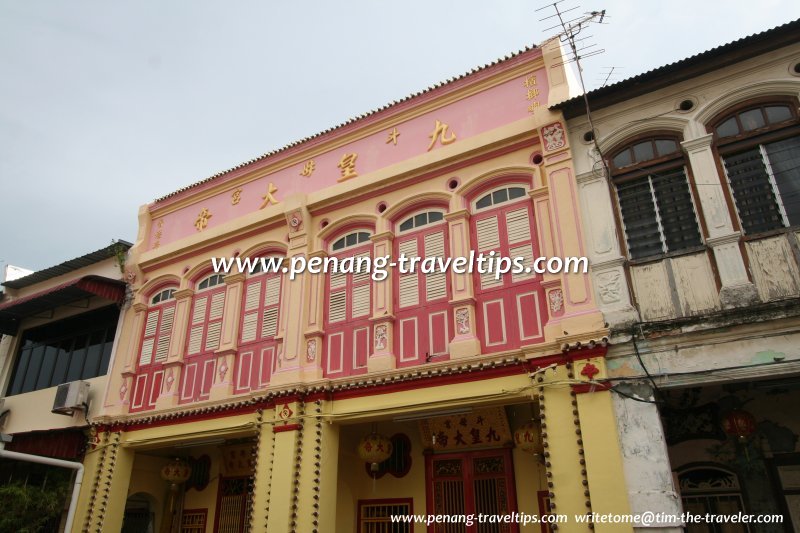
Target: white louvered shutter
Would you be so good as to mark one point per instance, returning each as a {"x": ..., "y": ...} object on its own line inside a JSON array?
[
  {"x": 436, "y": 281},
  {"x": 149, "y": 337},
  {"x": 197, "y": 325},
  {"x": 165, "y": 333},
  {"x": 408, "y": 287},
  {"x": 337, "y": 296},
  {"x": 488, "y": 234},
  {"x": 518, "y": 226},
  {"x": 361, "y": 290},
  {"x": 215, "y": 321},
  {"x": 251, "y": 308}
]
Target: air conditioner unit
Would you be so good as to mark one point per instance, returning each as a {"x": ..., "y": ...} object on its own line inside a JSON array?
[{"x": 71, "y": 397}]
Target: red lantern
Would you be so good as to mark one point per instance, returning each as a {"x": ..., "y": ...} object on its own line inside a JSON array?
[{"x": 739, "y": 424}]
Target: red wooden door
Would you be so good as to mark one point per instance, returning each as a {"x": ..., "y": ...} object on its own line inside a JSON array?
[
  {"x": 153, "y": 352},
  {"x": 510, "y": 309},
  {"x": 205, "y": 327},
  {"x": 421, "y": 300},
  {"x": 471, "y": 483}
]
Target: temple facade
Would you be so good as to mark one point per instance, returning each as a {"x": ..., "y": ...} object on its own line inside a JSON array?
[{"x": 261, "y": 400}]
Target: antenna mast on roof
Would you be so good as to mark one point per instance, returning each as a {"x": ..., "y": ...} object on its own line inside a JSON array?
[{"x": 577, "y": 48}]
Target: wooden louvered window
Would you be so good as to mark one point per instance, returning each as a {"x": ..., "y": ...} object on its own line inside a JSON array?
[
  {"x": 510, "y": 308},
  {"x": 154, "y": 349},
  {"x": 655, "y": 201},
  {"x": 422, "y": 330},
  {"x": 375, "y": 516},
  {"x": 760, "y": 150},
  {"x": 348, "y": 307},
  {"x": 205, "y": 329},
  {"x": 260, "y": 313}
]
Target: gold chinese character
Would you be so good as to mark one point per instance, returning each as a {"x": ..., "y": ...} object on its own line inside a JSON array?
[
  {"x": 202, "y": 219},
  {"x": 440, "y": 132},
  {"x": 348, "y": 166},
  {"x": 530, "y": 81},
  {"x": 533, "y": 93},
  {"x": 268, "y": 198},
  {"x": 161, "y": 223},
  {"x": 158, "y": 235},
  {"x": 393, "y": 135},
  {"x": 308, "y": 168},
  {"x": 236, "y": 196},
  {"x": 534, "y": 106}
]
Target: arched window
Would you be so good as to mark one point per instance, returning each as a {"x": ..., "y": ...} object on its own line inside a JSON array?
[
  {"x": 760, "y": 150},
  {"x": 154, "y": 349},
  {"x": 260, "y": 313},
  {"x": 205, "y": 328},
  {"x": 348, "y": 305},
  {"x": 510, "y": 308},
  {"x": 710, "y": 489},
  {"x": 422, "y": 311},
  {"x": 655, "y": 201}
]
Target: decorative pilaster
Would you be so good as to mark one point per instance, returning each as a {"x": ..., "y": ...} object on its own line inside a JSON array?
[
  {"x": 225, "y": 356},
  {"x": 264, "y": 461},
  {"x": 598, "y": 446},
  {"x": 105, "y": 490},
  {"x": 284, "y": 492},
  {"x": 465, "y": 343},
  {"x": 382, "y": 354},
  {"x": 563, "y": 455},
  {"x": 319, "y": 457},
  {"x": 312, "y": 363},
  {"x": 737, "y": 290},
  {"x": 134, "y": 338}
]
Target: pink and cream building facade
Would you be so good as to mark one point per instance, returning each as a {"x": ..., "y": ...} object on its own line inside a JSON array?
[{"x": 273, "y": 390}]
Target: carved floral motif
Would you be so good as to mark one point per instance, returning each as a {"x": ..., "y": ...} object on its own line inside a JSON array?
[
  {"x": 380, "y": 337},
  {"x": 311, "y": 350},
  {"x": 462, "y": 320},
  {"x": 223, "y": 369},
  {"x": 554, "y": 137},
  {"x": 556, "y": 298},
  {"x": 608, "y": 286}
]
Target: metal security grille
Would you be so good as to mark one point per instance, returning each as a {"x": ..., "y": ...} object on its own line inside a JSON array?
[
  {"x": 375, "y": 516},
  {"x": 194, "y": 521},
  {"x": 658, "y": 214},
  {"x": 233, "y": 505}
]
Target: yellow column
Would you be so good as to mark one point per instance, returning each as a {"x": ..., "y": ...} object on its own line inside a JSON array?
[
  {"x": 284, "y": 491},
  {"x": 604, "y": 469},
  {"x": 465, "y": 343},
  {"x": 382, "y": 355},
  {"x": 173, "y": 366},
  {"x": 262, "y": 485},
  {"x": 562, "y": 453},
  {"x": 229, "y": 339},
  {"x": 104, "y": 493},
  {"x": 319, "y": 462}
]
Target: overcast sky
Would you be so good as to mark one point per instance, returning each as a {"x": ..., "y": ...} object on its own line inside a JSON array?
[{"x": 105, "y": 106}]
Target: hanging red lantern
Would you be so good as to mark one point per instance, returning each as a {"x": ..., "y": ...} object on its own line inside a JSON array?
[
  {"x": 528, "y": 438},
  {"x": 374, "y": 449},
  {"x": 739, "y": 423}
]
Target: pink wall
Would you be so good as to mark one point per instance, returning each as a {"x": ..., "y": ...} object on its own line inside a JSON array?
[{"x": 466, "y": 118}]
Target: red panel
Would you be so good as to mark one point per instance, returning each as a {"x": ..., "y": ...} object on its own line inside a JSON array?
[
  {"x": 527, "y": 311},
  {"x": 438, "y": 333},
  {"x": 244, "y": 371},
  {"x": 495, "y": 330},
  {"x": 207, "y": 378},
  {"x": 188, "y": 381},
  {"x": 265, "y": 370},
  {"x": 140, "y": 392},
  {"x": 409, "y": 345},
  {"x": 360, "y": 347},
  {"x": 335, "y": 352}
]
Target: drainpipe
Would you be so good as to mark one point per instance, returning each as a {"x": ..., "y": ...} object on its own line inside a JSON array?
[{"x": 76, "y": 489}]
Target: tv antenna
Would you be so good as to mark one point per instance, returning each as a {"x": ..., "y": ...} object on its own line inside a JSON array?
[{"x": 578, "y": 49}]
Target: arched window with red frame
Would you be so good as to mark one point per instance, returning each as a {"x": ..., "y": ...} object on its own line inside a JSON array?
[
  {"x": 205, "y": 327},
  {"x": 422, "y": 327},
  {"x": 153, "y": 350},
  {"x": 261, "y": 304},
  {"x": 510, "y": 309},
  {"x": 348, "y": 307}
]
